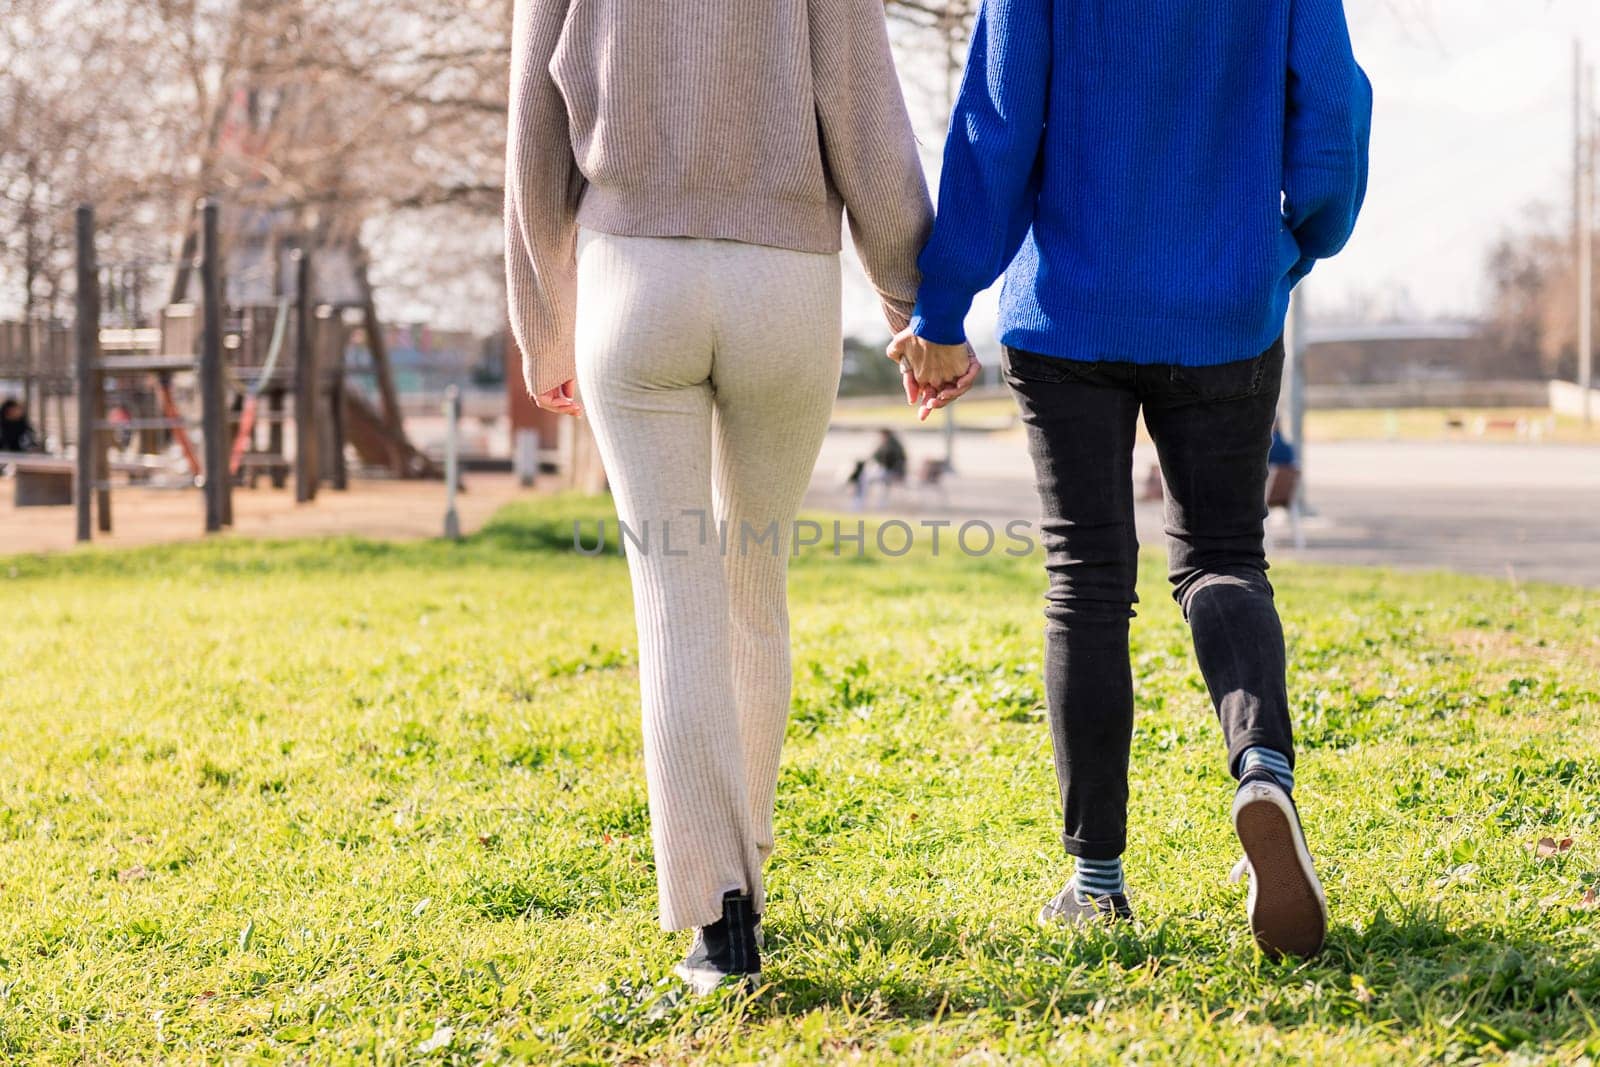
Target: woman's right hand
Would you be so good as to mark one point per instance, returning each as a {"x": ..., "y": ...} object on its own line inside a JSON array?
[{"x": 560, "y": 400}]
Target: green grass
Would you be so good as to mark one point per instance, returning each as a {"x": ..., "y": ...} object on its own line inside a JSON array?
[{"x": 329, "y": 802}]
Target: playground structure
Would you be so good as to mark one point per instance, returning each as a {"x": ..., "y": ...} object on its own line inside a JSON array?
[{"x": 249, "y": 372}]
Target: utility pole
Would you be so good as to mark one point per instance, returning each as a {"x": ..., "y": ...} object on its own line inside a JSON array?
[
  {"x": 1292, "y": 391},
  {"x": 951, "y": 30},
  {"x": 1585, "y": 171},
  {"x": 1577, "y": 140}
]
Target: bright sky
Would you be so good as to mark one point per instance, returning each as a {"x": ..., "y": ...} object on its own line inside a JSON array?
[{"x": 1473, "y": 125}]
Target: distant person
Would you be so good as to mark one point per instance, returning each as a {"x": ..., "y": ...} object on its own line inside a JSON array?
[
  {"x": 1153, "y": 178},
  {"x": 677, "y": 177},
  {"x": 16, "y": 432},
  {"x": 1283, "y": 482},
  {"x": 890, "y": 455},
  {"x": 1281, "y": 453},
  {"x": 887, "y": 466}
]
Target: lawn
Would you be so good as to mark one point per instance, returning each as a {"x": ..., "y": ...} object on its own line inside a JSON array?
[{"x": 337, "y": 801}]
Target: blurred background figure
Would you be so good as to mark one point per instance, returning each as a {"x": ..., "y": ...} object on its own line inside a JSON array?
[
  {"x": 884, "y": 469},
  {"x": 1282, "y": 452},
  {"x": 16, "y": 433}
]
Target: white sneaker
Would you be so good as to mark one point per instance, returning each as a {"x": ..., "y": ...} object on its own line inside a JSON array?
[
  {"x": 1072, "y": 907},
  {"x": 1288, "y": 911}
]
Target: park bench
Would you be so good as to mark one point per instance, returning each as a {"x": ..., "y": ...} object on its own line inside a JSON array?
[
  {"x": 46, "y": 481},
  {"x": 42, "y": 481}
]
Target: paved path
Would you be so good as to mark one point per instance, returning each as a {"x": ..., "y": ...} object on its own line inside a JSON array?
[{"x": 1522, "y": 510}]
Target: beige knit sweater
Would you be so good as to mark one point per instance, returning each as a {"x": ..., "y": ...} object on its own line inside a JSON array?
[{"x": 746, "y": 120}]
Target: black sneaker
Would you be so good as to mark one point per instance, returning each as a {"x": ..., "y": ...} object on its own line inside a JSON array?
[
  {"x": 1073, "y": 907},
  {"x": 1288, "y": 911},
  {"x": 726, "y": 950}
]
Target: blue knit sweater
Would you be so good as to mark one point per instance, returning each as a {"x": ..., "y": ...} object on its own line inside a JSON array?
[{"x": 1153, "y": 176}]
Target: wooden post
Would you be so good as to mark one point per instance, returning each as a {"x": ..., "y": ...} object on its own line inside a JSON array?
[
  {"x": 213, "y": 391},
  {"x": 336, "y": 333},
  {"x": 280, "y": 476},
  {"x": 88, "y": 356},
  {"x": 102, "y": 449},
  {"x": 305, "y": 385}
]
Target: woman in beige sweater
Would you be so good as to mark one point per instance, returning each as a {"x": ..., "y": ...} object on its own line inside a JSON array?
[{"x": 676, "y": 178}]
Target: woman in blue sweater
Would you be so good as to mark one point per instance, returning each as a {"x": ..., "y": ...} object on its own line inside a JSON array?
[{"x": 1153, "y": 178}]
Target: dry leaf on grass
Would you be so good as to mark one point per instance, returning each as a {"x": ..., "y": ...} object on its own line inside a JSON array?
[{"x": 1546, "y": 847}]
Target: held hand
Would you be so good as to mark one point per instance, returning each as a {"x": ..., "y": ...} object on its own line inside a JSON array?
[
  {"x": 928, "y": 399},
  {"x": 560, "y": 400},
  {"x": 934, "y": 399},
  {"x": 931, "y": 364}
]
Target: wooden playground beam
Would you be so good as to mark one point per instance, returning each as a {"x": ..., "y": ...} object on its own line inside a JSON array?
[
  {"x": 378, "y": 350},
  {"x": 87, "y": 339},
  {"x": 213, "y": 389},
  {"x": 306, "y": 470},
  {"x": 331, "y": 336}
]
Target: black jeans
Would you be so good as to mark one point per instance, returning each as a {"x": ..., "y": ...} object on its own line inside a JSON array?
[{"x": 1212, "y": 427}]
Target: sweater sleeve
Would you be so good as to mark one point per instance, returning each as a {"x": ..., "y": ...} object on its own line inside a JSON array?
[
  {"x": 1328, "y": 130},
  {"x": 869, "y": 148},
  {"x": 990, "y": 163},
  {"x": 542, "y": 189}
]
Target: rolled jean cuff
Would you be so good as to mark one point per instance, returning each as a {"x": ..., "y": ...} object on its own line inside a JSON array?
[{"x": 1103, "y": 849}]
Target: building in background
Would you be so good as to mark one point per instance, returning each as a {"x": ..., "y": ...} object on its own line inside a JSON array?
[{"x": 426, "y": 361}]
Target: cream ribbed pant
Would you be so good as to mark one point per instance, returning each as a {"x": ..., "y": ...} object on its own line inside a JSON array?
[{"x": 708, "y": 370}]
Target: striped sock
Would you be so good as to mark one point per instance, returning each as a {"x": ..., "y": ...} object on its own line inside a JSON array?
[
  {"x": 1270, "y": 760},
  {"x": 1100, "y": 878}
]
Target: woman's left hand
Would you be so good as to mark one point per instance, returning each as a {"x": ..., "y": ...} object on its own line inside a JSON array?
[{"x": 560, "y": 400}]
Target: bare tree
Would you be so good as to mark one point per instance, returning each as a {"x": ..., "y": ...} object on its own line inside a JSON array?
[
  {"x": 336, "y": 111},
  {"x": 1532, "y": 312},
  {"x": 69, "y": 131},
  {"x": 357, "y": 121}
]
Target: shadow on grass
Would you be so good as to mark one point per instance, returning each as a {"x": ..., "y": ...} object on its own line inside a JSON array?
[
  {"x": 541, "y": 527},
  {"x": 557, "y": 526},
  {"x": 1467, "y": 986},
  {"x": 565, "y": 526},
  {"x": 1418, "y": 955},
  {"x": 1454, "y": 991},
  {"x": 889, "y": 959}
]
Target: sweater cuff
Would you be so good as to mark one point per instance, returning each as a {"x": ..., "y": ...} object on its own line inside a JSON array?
[
  {"x": 941, "y": 316},
  {"x": 897, "y": 313},
  {"x": 549, "y": 370}
]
